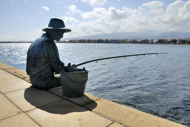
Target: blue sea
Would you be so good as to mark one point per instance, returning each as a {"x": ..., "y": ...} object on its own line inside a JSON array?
[{"x": 156, "y": 84}]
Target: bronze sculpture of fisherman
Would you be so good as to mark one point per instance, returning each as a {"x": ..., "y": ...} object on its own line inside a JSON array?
[{"x": 43, "y": 57}]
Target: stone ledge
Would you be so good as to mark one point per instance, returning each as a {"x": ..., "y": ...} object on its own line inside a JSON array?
[
  {"x": 15, "y": 71},
  {"x": 128, "y": 116},
  {"x": 19, "y": 73}
]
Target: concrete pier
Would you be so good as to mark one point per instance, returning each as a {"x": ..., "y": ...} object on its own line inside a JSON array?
[{"x": 24, "y": 106}]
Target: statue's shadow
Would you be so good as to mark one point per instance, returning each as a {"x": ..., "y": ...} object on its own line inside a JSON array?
[{"x": 53, "y": 101}]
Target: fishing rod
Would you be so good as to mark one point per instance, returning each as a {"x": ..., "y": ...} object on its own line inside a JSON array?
[{"x": 116, "y": 57}]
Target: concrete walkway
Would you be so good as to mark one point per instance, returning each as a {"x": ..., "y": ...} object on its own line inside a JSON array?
[{"x": 24, "y": 106}]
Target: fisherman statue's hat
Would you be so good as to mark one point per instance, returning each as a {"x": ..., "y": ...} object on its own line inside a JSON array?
[{"x": 56, "y": 24}]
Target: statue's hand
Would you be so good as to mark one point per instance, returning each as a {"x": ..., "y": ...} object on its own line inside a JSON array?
[
  {"x": 69, "y": 65},
  {"x": 73, "y": 66}
]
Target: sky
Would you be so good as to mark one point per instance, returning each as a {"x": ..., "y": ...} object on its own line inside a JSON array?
[{"x": 23, "y": 20}]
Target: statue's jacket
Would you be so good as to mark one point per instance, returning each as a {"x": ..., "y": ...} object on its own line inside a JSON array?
[{"x": 42, "y": 58}]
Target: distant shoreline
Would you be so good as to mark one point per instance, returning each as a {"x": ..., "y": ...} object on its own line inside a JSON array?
[
  {"x": 9, "y": 42},
  {"x": 15, "y": 41}
]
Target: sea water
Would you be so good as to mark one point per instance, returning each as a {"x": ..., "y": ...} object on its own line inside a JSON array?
[{"x": 156, "y": 84}]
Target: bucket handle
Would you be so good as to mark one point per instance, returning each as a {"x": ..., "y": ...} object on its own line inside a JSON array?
[{"x": 74, "y": 80}]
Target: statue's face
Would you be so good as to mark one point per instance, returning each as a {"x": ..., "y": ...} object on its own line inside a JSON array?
[
  {"x": 58, "y": 35},
  {"x": 55, "y": 34}
]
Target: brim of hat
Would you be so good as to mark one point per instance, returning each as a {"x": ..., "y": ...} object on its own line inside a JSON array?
[{"x": 51, "y": 28}]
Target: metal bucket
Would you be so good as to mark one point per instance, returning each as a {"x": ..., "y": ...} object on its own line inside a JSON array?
[{"x": 73, "y": 83}]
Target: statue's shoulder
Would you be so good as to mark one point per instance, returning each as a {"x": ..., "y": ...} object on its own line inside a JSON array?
[
  {"x": 43, "y": 41},
  {"x": 44, "y": 38}
]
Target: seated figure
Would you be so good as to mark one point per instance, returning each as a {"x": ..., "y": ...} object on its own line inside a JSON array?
[{"x": 43, "y": 57}]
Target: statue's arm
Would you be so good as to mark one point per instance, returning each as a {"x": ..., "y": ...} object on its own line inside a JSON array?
[{"x": 54, "y": 59}]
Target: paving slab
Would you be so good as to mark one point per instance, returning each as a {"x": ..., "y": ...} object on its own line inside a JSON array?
[
  {"x": 128, "y": 116},
  {"x": 86, "y": 99},
  {"x": 116, "y": 125},
  {"x": 10, "y": 83},
  {"x": 31, "y": 98},
  {"x": 8, "y": 109},
  {"x": 21, "y": 120},
  {"x": 5, "y": 75},
  {"x": 67, "y": 114}
]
